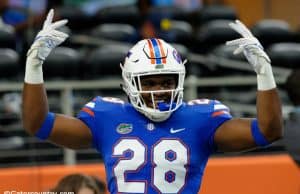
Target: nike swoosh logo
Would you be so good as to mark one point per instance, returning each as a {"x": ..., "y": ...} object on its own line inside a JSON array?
[{"x": 176, "y": 130}]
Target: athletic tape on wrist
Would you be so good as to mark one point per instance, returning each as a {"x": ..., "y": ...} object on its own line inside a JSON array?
[
  {"x": 266, "y": 81},
  {"x": 46, "y": 128},
  {"x": 257, "y": 135}
]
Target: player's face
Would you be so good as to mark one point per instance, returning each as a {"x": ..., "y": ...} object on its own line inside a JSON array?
[{"x": 155, "y": 83}]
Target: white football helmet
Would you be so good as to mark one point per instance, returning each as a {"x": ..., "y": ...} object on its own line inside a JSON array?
[{"x": 153, "y": 57}]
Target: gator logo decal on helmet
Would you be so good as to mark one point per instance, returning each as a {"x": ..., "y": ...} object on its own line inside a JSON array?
[{"x": 177, "y": 56}]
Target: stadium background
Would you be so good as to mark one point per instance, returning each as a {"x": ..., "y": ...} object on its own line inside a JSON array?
[{"x": 87, "y": 64}]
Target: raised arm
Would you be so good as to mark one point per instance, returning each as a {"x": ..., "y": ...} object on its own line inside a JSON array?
[
  {"x": 37, "y": 120},
  {"x": 241, "y": 134}
]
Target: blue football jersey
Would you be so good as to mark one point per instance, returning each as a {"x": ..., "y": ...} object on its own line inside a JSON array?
[{"x": 142, "y": 156}]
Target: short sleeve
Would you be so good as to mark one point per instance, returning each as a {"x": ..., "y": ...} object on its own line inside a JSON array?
[
  {"x": 219, "y": 115},
  {"x": 87, "y": 115}
]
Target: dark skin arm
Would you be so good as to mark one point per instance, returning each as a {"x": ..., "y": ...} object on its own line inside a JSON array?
[
  {"x": 235, "y": 134},
  {"x": 67, "y": 131}
]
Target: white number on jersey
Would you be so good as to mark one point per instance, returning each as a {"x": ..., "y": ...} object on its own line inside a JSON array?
[
  {"x": 113, "y": 100},
  {"x": 199, "y": 101},
  {"x": 170, "y": 158},
  {"x": 137, "y": 160}
]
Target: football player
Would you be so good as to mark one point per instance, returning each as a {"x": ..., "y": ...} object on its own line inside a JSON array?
[{"x": 156, "y": 142}]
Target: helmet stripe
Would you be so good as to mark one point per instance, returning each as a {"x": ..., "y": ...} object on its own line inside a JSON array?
[
  {"x": 156, "y": 51},
  {"x": 162, "y": 52},
  {"x": 151, "y": 52}
]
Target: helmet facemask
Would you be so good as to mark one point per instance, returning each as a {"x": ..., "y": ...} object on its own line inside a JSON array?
[{"x": 157, "y": 104}]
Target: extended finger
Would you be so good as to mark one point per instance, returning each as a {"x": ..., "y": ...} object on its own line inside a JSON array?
[
  {"x": 59, "y": 24},
  {"x": 245, "y": 30},
  {"x": 241, "y": 29},
  {"x": 236, "y": 28},
  {"x": 236, "y": 42},
  {"x": 243, "y": 41},
  {"x": 49, "y": 18},
  {"x": 60, "y": 35}
]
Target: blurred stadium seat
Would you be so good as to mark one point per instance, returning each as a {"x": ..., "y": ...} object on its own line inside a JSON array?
[
  {"x": 7, "y": 38},
  {"x": 118, "y": 32},
  {"x": 63, "y": 63},
  {"x": 213, "y": 33},
  {"x": 269, "y": 31},
  {"x": 119, "y": 14},
  {"x": 77, "y": 19},
  {"x": 177, "y": 31},
  {"x": 170, "y": 12},
  {"x": 9, "y": 65},
  {"x": 216, "y": 12},
  {"x": 285, "y": 54},
  {"x": 105, "y": 61}
]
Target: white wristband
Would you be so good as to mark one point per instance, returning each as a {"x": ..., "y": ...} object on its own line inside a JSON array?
[
  {"x": 266, "y": 81},
  {"x": 33, "y": 70}
]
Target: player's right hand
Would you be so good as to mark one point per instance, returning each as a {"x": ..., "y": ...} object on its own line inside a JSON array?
[{"x": 47, "y": 39}]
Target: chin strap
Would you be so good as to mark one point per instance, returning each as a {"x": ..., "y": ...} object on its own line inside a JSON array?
[{"x": 162, "y": 106}]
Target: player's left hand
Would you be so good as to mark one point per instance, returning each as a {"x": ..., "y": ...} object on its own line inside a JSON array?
[{"x": 250, "y": 46}]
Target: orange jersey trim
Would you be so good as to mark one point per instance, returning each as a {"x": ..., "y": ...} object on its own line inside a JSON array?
[
  {"x": 219, "y": 113},
  {"x": 88, "y": 111}
]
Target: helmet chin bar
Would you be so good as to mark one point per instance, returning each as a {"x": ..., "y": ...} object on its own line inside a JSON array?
[{"x": 155, "y": 115}]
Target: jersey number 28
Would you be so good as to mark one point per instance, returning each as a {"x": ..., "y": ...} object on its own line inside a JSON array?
[{"x": 169, "y": 158}]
